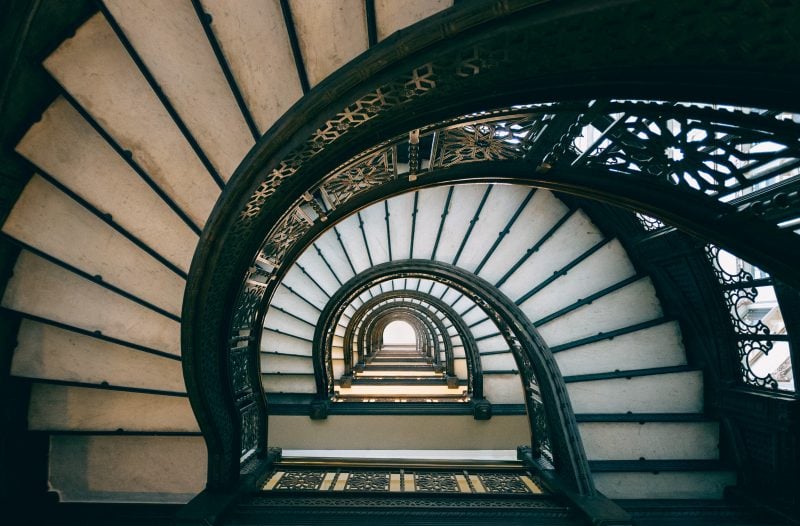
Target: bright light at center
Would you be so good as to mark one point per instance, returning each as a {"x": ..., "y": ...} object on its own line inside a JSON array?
[{"x": 399, "y": 333}]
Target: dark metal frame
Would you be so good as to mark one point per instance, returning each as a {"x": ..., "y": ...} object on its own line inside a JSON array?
[
  {"x": 552, "y": 421},
  {"x": 369, "y": 333},
  {"x": 424, "y": 332},
  {"x": 471, "y": 352}
]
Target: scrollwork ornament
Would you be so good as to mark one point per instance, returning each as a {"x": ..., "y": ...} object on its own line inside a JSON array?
[
  {"x": 695, "y": 152},
  {"x": 738, "y": 295},
  {"x": 502, "y": 139},
  {"x": 345, "y": 183},
  {"x": 749, "y": 351}
]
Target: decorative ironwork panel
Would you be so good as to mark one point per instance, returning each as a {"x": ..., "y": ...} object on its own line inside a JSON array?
[
  {"x": 436, "y": 482},
  {"x": 698, "y": 148},
  {"x": 755, "y": 339},
  {"x": 368, "y": 481},
  {"x": 246, "y": 309},
  {"x": 513, "y": 481},
  {"x": 284, "y": 235},
  {"x": 239, "y": 362},
  {"x": 355, "y": 178},
  {"x": 250, "y": 438},
  {"x": 486, "y": 140},
  {"x": 301, "y": 480},
  {"x": 502, "y": 483},
  {"x": 649, "y": 223}
]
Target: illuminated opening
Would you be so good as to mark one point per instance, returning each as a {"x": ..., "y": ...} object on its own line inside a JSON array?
[{"x": 399, "y": 333}]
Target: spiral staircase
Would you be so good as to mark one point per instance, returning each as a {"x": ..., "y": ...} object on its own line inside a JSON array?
[{"x": 159, "y": 102}]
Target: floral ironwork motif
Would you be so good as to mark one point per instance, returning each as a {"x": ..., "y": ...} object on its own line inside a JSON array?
[
  {"x": 649, "y": 223},
  {"x": 503, "y": 483},
  {"x": 752, "y": 334},
  {"x": 353, "y": 179},
  {"x": 436, "y": 482},
  {"x": 699, "y": 151},
  {"x": 305, "y": 480},
  {"x": 250, "y": 436},
  {"x": 490, "y": 140},
  {"x": 368, "y": 481},
  {"x": 246, "y": 308},
  {"x": 285, "y": 234},
  {"x": 239, "y": 364}
]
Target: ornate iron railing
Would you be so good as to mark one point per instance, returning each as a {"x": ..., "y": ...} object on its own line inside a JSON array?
[
  {"x": 748, "y": 159},
  {"x": 762, "y": 343}
]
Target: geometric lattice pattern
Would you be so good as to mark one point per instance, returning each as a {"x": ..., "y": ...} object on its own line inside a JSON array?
[{"x": 517, "y": 482}]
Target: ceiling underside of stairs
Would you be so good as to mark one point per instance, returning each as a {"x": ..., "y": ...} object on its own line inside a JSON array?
[{"x": 154, "y": 106}]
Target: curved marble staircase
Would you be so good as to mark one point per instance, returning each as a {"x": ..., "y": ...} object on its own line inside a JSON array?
[{"x": 160, "y": 102}]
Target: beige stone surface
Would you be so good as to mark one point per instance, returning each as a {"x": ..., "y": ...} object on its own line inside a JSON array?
[
  {"x": 658, "y": 393},
  {"x": 498, "y": 362},
  {"x": 67, "y": 408},
  {"x": 290, "y": 302},
  {"x": 463, "y": 204},
  {"x": 398, "y": 432},
  {"x": 289, "y": 384},
  {"x": 170, "y": 39},
  {"x": 46, "y": 290},
  {"x": 271, "y": 363},
  {"x": 69, "y": 149},
  {"x": 605, "y": 267},
  {"x": 500, "y": 207},
  {"x": 272, "y": 341},
  {"x": 541, "y": 213},
  {"x": 49, "y": 220},
  {"x": 95, "y": 68},
  {"x": 287, "y": 323},
  {"x": 330, "y": 34},
  {"x": 659, "y": 346},
  {"x": 503, "y": 389},
  {"x": 254, "y": 40},
  {"x": 574, "y": 237},
  {"x": 392, "y": 15},
  {"x": 665, "y": 484},
  {"x": 651, "y": 440},
  {"x": 170, "y": 469},
  {"x": 48, "y": 352},
  {"x": 635, "y": 303}
]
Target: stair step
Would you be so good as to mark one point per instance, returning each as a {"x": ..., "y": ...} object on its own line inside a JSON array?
[
  {"x": 400, "y": 391},
  {"x": 43, "y": 217},
  {"x": 119, "y": 97},
  {"x": 380, "y": 368},
  {"x": 127, "y": 468},
  {"x": 48, "y": 352},
  {"x": 72, "y": 408},
  {"x": 403, "y": 359},
  {"x": 656, "y": 466},
  {"x": 163, "y": 35},
  {"x": 329, "y": 34},
  {"x": 664, "y": 484},
  {"x": 400, "y": 380},
  {"x": 399, "y": 361},
  {"x": 44, "y": 289}
]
